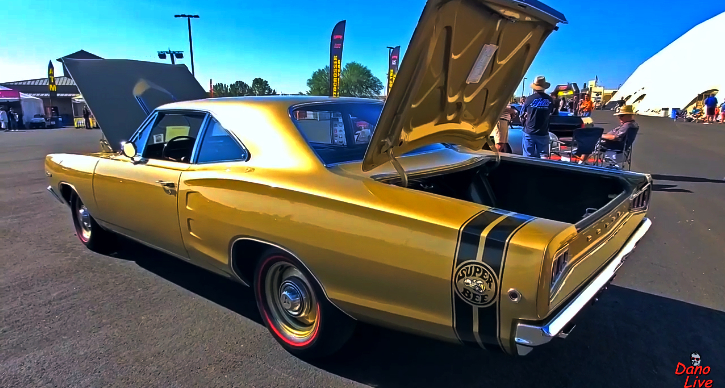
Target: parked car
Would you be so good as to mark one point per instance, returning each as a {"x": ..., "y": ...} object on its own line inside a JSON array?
[
  {"x": 413, "y": 227},
  {"x": 38, "y": 121}
]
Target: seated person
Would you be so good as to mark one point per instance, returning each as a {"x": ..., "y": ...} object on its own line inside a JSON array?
[{"x": 614, "y": 140}]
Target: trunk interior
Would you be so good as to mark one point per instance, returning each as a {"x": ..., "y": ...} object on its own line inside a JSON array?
[{"x": 539, "y": 190}]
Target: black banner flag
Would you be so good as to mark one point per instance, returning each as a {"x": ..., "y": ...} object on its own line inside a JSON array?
[
  {"x": 393, "y": 63},
  {"x": 338, "y": 36},
  {"x": 51, "y": 81}
]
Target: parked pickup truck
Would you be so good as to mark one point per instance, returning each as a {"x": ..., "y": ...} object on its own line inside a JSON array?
[{"x": 561, "y": 125}]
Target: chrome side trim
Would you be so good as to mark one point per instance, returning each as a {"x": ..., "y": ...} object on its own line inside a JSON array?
[
  {"x": 534, "y": 335},
  {"x": 231, "y": 266},
  {"x": 116, "y": 230},
  {"x": 52, "y": 192}
]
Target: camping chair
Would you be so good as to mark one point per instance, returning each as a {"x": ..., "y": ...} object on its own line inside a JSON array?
[
  {"x": 621, "y": 159},
  {"x": 584, "y": 142}
]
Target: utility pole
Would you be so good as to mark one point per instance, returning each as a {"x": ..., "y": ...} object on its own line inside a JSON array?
[
  {"x": 191, "y": 45},
  {"x": 523, "y": 85}
]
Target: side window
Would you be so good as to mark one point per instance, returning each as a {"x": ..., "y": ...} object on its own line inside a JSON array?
[
  {"x": 325, "y": 127},
  {"x": 218, "y": 145},
  {"x": 172, "y": 136}
]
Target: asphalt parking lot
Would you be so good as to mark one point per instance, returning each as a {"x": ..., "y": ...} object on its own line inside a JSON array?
[{"x": 73, "y": 318}]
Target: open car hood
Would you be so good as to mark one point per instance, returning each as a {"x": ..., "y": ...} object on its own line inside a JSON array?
[
  {"x": 121, "y": 92},
  {"x": 463, "y": 64}
]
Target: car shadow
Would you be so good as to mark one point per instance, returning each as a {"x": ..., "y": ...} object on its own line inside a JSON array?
[
  {"x": 680, "y": 178},
  {"x": 669, "y": 189},
  {"x": 222, "y": 291},
  {"x": 628, "y": 338}
]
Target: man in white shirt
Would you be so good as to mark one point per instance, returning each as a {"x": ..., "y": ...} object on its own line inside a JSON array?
[
  {"x": 501, "y": 132},
  {"x": 3, "y": 119}
]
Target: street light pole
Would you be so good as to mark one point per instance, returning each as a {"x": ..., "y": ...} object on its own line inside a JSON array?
[
  {"x": 191, "y": 45},
  {"x": 523, "y": 85}
]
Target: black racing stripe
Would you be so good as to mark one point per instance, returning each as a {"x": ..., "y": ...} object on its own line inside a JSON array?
[
  {"x": 469, "y": 238},
  {"x": 493, "y": 255}
]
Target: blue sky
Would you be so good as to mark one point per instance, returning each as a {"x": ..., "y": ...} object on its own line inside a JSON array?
[{"x": 285, "y": 41}]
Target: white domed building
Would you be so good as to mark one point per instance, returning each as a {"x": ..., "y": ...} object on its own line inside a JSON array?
[{"x": 678, "y": 77}]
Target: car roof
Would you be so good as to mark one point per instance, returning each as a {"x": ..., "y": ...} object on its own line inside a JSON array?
[
  {"x": 263, "y": 124},
  {"x": 279, "y": 101}
]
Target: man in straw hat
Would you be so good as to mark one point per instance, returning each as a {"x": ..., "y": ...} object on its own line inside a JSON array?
[
  {"x": 536, "y": 115},
  {"x": 614, "y": 139}
]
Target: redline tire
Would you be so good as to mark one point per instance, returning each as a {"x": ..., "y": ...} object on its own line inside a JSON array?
[
  {"x": 87, "y": 229},
  {"x": 295, "y": 310}
]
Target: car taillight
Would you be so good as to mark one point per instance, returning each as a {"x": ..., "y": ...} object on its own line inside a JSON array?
[
  {"x": 640, "y": 201},
  {"x": 558, "y": 266}
]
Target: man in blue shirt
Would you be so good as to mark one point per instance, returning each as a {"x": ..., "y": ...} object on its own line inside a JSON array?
[
  {"x": 536, "y": 114},
  {"x": 710, "y": 106}
]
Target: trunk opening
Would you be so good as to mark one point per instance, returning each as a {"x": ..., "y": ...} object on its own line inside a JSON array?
[{"x": 536, "y": 189}]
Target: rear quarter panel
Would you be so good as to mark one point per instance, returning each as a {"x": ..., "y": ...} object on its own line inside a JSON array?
[{"x": 384, "y": 254}]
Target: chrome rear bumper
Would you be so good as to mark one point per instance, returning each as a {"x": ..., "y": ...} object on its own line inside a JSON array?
[
  {"x": 529, "y": 335},
  {"x": 54, "y": 194}
]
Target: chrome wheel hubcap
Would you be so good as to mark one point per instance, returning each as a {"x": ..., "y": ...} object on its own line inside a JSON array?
[
  {"x": 84, "y": 220},
  {"x": 291, "y": 302}
]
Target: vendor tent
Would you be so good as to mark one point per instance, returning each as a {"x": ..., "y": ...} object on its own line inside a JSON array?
[
  {"x": 29, "y": 105},
  {"x": 679, "y": 76}
]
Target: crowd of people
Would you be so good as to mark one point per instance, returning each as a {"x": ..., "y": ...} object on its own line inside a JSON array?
[
  {"x": 9, "y": 119},
  {"x": 712, "y": 111},
  {"x": 536, "y": 112}
]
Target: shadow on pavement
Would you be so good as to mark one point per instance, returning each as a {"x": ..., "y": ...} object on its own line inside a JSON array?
[
  {"x": 679, "y": 178},
  {"x": 222, "y": 291},
  {"x": 629, "y": 338},
  {"x": 669, "y": 189}
]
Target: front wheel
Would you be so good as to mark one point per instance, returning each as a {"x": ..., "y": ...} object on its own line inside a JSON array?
[
  {"x": 295, "y": 310},
  {"x": 87, "y": 229}
]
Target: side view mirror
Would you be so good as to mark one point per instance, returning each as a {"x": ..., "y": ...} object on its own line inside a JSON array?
[{"x": 128, "y": 149}]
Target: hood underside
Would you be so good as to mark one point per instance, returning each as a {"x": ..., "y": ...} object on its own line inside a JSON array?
[
  {"x": 463, "y": 64},
  {"x": 121, "y": 92}
]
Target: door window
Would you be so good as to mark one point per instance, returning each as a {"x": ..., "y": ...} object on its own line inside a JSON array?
[
  {"x": 171, "y": 136},
  {"x": 219, "y": 146}
]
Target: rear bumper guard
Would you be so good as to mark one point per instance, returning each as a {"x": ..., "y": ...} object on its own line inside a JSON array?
[{"x": 529, "y": 335}]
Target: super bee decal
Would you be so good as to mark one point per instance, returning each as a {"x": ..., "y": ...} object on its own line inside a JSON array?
[
  {"x": 476, "y": 283},
  {"x": 476, "y": 276}
]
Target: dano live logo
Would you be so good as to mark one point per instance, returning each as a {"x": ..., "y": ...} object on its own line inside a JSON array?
[{"x": 696, "y": 375}]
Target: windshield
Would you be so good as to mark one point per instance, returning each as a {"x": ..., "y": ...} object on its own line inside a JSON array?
[{"x": 340, "y": 132}]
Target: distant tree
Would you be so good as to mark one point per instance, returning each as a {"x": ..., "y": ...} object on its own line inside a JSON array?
[
  {"x": 221, "y": 90},
  {"x": 240, "y": 88},
  {"x": 260, "y": 87},
  {"x": 319, "y": 83},
  {"x": 356, "y": 80}
]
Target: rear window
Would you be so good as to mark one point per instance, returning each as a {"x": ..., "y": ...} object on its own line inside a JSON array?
[{"x": 340, "y": 132}]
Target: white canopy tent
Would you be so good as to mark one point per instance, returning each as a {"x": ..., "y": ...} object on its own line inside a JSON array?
[
  {"x": 29, "y": 104},
  {"x": 679, "y": 75}
]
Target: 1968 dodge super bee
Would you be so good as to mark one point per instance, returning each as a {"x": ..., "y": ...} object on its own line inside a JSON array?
[{"x": 338, "y": 210}]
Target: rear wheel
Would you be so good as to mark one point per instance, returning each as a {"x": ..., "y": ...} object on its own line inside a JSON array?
[
  {"x": 87, "y": 229},
  {"x": 295, "y": 310}
]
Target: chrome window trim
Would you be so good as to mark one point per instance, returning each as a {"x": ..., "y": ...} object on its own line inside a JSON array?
[
  {"x": 155, "y": 114},
  {"x": 231, "y": 266},
  {"x": 199, "y": 137},
  {"x": 200, "y": 140}
]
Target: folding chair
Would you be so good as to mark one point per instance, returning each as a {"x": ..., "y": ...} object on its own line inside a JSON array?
[
  {"x": 585, "y": 141},
  {"x": 621, "y": 159}
]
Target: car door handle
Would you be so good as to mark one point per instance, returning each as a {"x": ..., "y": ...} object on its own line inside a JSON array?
[{"x": 166, "y": 184}]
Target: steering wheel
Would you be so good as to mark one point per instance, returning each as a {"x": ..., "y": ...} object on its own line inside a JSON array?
[{"x": 177, "y": 147}]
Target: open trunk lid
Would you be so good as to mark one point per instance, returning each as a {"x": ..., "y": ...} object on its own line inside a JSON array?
[
  {"x": 464, "y": 62},
  {"x": 121, "y": 92}
]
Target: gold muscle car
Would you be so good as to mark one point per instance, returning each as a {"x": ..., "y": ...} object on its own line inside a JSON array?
[{"x": 338, "y": 210}]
